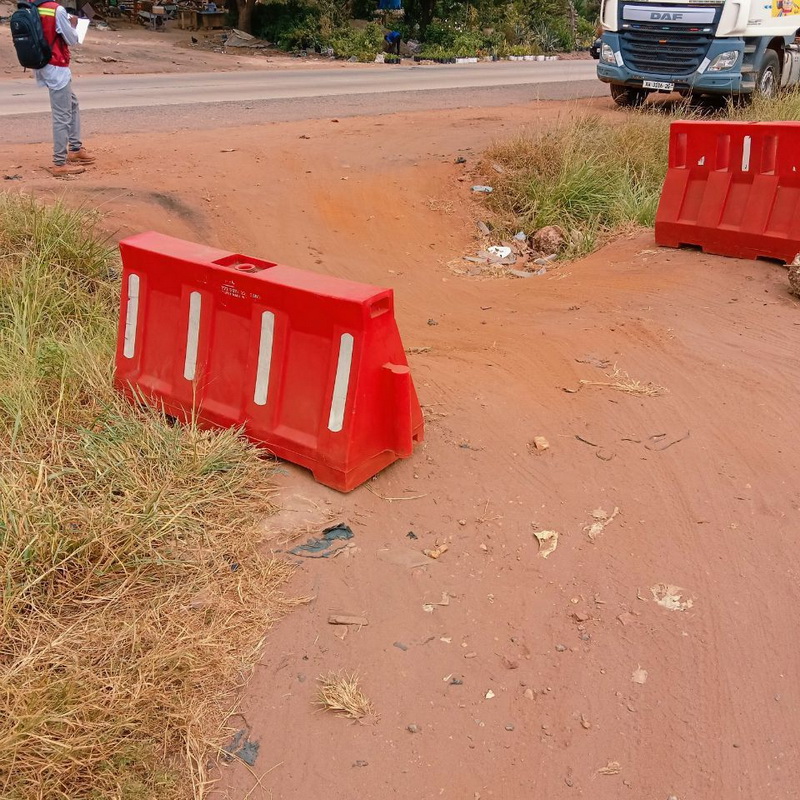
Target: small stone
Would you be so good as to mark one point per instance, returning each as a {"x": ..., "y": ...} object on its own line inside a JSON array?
[
  {"x": 301, "y": 677},
  {"x": 580, "y": 616},
  {"x": 548, "y": 240},
  {"x": 509, "y": 727},
  {"x": 569, "y": 782},
  {"x": 432, "y": 322},
  {"x": 585, "y": 724},
  {"x": 360, "y": 763},
  {"x": 462, "y": 522},
  {"x": 561, "y": 648},
  {"x": 401, "y": 646},
  {"x": 470, "y": 655},
  {"x": 528, "y": 694},
  {"x": 456, "y": 681},
  {"x": 509, "y": 663},
  {"x": 412, "y": 728},
  {"x": 736, "y": 745},
  {"x": 585, "y": 637}
]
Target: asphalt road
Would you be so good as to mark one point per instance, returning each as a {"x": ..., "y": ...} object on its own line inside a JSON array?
[{"x": 131, "y": 103}]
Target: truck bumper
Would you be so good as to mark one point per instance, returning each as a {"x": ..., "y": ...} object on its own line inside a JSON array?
[{"x": 728, "y": 81}]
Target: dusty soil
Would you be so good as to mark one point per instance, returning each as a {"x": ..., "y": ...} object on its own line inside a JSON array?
[{"x": 521, "y": 685}]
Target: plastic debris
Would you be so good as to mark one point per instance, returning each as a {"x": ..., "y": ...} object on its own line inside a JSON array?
[
  {"x": 500, "y": 251},
  {"x": 601, "y": 521},
  {"x": 548, "y": 541},
  {"x": 483, "y": 189},
  {"x": 639, "y": 676},
  {"x": 671, "y": 597},
  {"x": 242, "y": 748},
  {"x": 320, "y": 548}
]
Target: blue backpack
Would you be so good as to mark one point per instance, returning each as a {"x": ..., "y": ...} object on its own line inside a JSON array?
[{"x": 27, "y": 33}]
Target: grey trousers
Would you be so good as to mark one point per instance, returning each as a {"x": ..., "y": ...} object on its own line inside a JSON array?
[{"x": 66, "y": 123}]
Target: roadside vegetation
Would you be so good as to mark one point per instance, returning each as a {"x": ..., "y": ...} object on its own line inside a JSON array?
[
  {"x": 596, "y": 176},
  {"x": 134, "y": 600},
  {"x": 440, "y": 29}
]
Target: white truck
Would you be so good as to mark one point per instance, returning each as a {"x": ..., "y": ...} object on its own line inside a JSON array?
[{"x": 728, "y": 48}]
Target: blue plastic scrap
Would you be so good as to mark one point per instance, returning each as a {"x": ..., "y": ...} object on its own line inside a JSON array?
[{"x": 320, "y": 548}]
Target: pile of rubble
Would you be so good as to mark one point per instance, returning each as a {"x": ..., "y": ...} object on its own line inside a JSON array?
[{"x": 524, "y": 256}]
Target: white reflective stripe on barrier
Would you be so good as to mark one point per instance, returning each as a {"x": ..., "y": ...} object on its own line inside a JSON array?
[
  {"x": 342, "y": 383},
  {"x": 192, "y": 336},
  {"x": 131, "y": 316},
  {"x": 264, "y": 358},
  {"x": 746, "y": 154}
]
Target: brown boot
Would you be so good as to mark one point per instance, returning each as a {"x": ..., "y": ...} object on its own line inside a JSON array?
[
  {"x": 81, "y": 156},
  {"x": 64, "y": 170}
]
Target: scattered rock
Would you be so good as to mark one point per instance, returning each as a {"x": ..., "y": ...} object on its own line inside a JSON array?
[
  {"x": 432, "y": 322},
  {"x": 109, "y": 59},
  {"x": 454, "y": 681},
  {"x": 461, "y": 160},
  {"x": 794, "y": 278},
  {"x": 540, "y": 443},
  {"x": 484, "y": 228},
  {"x": 435, "y": 552},
  {"x": 482, "y": 189},
  {"x": 561, "y": 648},
  {"x": 612, "y": 768},
  {"x": 412, "y": 728},
  {"x": 580, "y": 616},
  {"x": 490, "y": 694},
  {"x": 528, "y": 694},
  {"x": 361, "y": 763},
  {"x": 509, "y": 727},
  {"x": 400, "y": 646},
  {"x": 549, "y": 240},
  {"x": 509, "y": 663},
  {"x": 585, "y": 724},
  {"x": 470, "y": 655}
]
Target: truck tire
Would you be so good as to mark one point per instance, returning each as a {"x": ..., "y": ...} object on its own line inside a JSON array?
[
  {"x": 768, "y": 81},
  {"x": 628, "y": 96}
]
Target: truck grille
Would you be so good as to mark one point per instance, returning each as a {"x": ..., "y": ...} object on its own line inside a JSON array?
[{"x": 663, "y": 52}]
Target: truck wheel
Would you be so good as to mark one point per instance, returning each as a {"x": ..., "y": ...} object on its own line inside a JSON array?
[
  {"x": 769, "y": 75},
  {"x": 628, "y": 96}
]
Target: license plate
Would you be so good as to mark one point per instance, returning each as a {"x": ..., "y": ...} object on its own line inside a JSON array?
[{"x": 662, "y": 85}]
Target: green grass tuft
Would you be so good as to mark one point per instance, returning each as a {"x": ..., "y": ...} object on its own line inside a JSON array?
[{"x": 133, "y": 597}]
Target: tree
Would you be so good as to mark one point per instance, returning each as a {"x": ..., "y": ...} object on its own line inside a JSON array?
[{"x": 245, "y": 8}]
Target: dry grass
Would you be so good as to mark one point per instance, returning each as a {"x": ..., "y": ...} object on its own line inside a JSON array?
[
  {"x": 598, "y": 176},
  {"x": 622, "y": 382},
  {"x": 134, "y": 600},
  {"x": 341, "y": 693}
]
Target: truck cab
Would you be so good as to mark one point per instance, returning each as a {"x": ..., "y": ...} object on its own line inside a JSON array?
[{"x": 733, "y": 48}]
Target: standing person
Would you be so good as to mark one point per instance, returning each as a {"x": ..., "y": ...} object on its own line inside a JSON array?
[{"x": 69, "y": 155}]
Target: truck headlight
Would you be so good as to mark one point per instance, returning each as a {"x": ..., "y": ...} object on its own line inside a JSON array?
[
  {"x": 607, "y": 54},
  {"x": 725, "y": 60}
]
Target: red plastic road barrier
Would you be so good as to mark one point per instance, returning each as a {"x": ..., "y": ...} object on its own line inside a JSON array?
[
  {"x": 311, "y": 367},
  {"x": 733, "y": 188}
]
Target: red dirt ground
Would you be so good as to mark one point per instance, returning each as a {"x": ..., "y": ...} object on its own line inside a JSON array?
[{"x": 556, "y": 640}]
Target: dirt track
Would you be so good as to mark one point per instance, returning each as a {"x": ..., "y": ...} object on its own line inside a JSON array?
[{"x": 556, "y": 640}]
